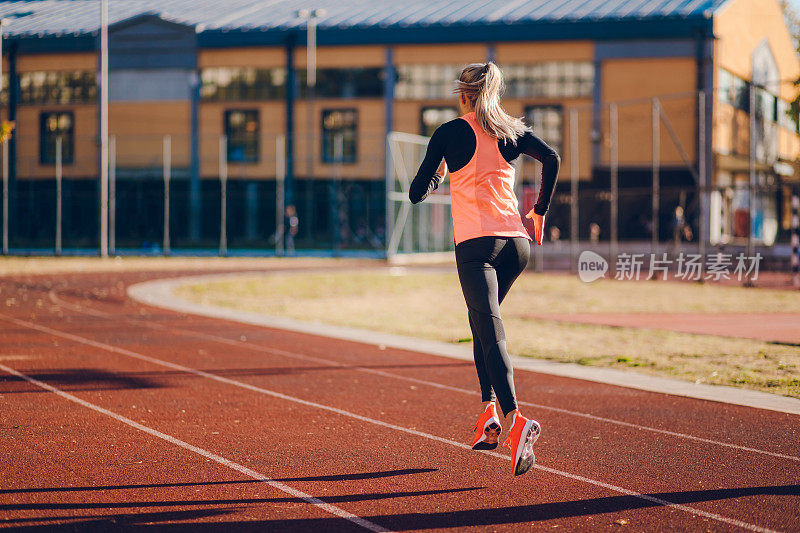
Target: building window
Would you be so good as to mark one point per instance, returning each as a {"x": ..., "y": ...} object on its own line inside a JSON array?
[
  {"x": 551, "y": 79},
  {"x": 339, "y": 135},
  {"x": 433, "y": 117},
  {"x": 426, "y": 82},
  {"x": 547, "y": 122},
  {"x": 235, "y": 84},
  {"x": 785, "y": 117},
  {"x": 69, "y": 87},
  {"x": 52, "y": 126},
  {"x": 242, "y": 132},
  {"x": 733, "y": 90},
  {"x": 344, "y": 83}
]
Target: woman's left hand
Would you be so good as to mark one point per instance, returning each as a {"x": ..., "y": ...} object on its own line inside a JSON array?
[
  {"x": 538, "y": 225},
  {"x": 442, "y": 170}
]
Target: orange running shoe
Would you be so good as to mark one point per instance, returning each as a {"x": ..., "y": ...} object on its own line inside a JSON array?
[
  {"x": 524, "y": 433},
  {"x": 487, "y": 429}
]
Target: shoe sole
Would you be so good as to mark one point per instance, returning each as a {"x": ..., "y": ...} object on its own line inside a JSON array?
[
  {"x": 525, "y": 455},
  {"x": 492, "y": 429}
]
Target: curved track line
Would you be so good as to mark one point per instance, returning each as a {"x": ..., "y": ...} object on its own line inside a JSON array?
[
  {"x": 53, "y": 295},
  {"x": 135, "y": 355},
  {"x": 332, "y": 509}
]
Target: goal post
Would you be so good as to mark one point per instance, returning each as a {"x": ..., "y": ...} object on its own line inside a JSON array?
[{"x": 426, "y": 228}]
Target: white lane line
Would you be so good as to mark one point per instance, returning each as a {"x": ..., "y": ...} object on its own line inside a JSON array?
[
  {"x": 275, "y": 351},
  {"x": 332, "y": 509},
  {"x": 254, "y": 388}
]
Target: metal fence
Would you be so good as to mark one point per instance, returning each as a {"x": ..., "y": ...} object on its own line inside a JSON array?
[
  {"x": 634, "y": 178},
  {"x": 235, "y": 206}
]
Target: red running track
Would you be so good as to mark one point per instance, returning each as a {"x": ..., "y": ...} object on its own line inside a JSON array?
[{"x": 117, "y": 416}]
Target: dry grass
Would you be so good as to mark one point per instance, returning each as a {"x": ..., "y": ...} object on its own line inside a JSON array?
[
  {"x": 63, "y": 265},
  {"x": 430, "y": 305}
]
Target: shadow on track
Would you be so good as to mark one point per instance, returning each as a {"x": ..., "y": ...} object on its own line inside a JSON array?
[
  {"x": 236, "y": 501},
  {"x": 76, "y": 379},
  {"x": 408, "y": 521},
  {"x": 331, "y": 477},
  {"x": 88, "y": 379}
]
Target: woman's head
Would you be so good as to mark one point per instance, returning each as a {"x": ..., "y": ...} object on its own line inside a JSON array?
[{"x": 480, "y": 86}]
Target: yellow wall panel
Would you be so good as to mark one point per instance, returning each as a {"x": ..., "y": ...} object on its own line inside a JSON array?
[
  {"x": 632, "y": 83},
  {"x": 343, "y": 56},
  {"x": 263, "y": 57},
  {"x": 140, "y": 127},
  {"x": 741, "y": 26},
  {"x": 51, "y": 62},
  {"x": 549, "y": 51},
  {"x": 85, "y": 151},
  {"x": 442, "y": 53}
]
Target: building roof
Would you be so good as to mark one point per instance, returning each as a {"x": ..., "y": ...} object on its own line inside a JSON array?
[{"x": 225, "y": 22}]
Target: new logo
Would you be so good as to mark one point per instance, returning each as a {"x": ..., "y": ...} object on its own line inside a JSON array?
[{"x": 591, "y": 266}]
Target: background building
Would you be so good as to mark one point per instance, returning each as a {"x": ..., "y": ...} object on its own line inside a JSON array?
[{"x": 624, "y": 90}]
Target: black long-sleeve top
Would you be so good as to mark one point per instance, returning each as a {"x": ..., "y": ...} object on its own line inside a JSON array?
[{"x": 455, "y": 142}]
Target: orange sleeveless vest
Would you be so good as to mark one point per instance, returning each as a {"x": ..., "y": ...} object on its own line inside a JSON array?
[{"x": 482, "y": 192}]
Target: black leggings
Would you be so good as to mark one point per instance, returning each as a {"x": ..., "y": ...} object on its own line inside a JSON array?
[{"x": 487, "y": 267}]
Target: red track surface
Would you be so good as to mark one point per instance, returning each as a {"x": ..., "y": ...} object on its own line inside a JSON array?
[
  {"x": 187, "y": 423},
  {"x": 783, "y": 328}
]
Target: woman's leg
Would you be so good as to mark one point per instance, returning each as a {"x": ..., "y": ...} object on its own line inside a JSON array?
[
  {"x": 479, "y": 283},
  {"x": 509, "y": 264},
  {"x": 487, "y": 393}
]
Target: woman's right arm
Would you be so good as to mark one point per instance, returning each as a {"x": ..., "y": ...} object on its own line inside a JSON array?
[
  {"x": 535, "y": 147},
  {"x": 428, "y": 178}
]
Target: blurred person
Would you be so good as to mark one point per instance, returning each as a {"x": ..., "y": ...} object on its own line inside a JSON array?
[
  {"x": 555, "y": 235},
  {"x": 291, "y": 224},
  {"x": 680, "y": 229},
  {"x": 492, "y": 245},
  {"x": 594, "y": 233}
]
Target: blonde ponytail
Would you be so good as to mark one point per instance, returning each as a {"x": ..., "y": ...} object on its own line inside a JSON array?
[{"x": 482, "y": 84}]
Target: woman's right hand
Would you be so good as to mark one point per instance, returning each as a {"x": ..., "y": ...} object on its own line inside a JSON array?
[{"x": 538, "y": 226}]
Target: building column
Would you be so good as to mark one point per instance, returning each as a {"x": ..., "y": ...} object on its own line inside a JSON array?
[
  {"x": 291, "y": 84},
  {"x": 388, "y": 101},
  {"x": 194, "y": 171},
  {"x": 251, "y": 210},
  {"x": 13, "y": 100}
]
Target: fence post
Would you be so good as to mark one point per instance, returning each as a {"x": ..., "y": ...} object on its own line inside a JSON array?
[
  {"x": 280, "y": 180},
  {"x": 656, "y": 205},
  {"x": 59, "y": 170},
  {"x": 223, "y": 185},
  {"x": 752, "y": 167},
  {"x": 112, "y": 195},
  {"x": 573, "y": 192},
  {"x": 167, "y": 160},
  {"x": 701, "y": 162},
  {"x": 5, "y": 197},
  {"x": 796, "y": 237},
  {"x": 614, "y": 171},
  {"x": 338, "y": 155}
]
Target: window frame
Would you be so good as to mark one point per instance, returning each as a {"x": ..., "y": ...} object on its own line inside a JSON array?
[
  {"x": 429, "y": 107},
  {"x": 67, "y": 156},
  {"x": 225, "y": 117},
  {"x": 553, "y": 106},
  {"x": 346, "y": 160}
]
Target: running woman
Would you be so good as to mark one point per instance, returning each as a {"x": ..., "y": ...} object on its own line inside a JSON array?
[{"x": 492, "y": 244}]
